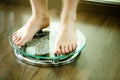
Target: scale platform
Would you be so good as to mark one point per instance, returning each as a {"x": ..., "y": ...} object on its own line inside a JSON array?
[{"x": 39, "y": 51}]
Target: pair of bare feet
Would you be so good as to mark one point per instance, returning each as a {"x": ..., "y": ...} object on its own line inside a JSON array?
[{"x": 66, "y": 40}]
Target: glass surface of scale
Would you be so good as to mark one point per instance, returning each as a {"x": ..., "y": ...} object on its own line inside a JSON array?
[{"x": 40, "y": 49}]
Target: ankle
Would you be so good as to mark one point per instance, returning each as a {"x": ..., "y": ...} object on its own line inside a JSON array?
[
  {"x": 43, "y": 19},
  {"x": 68, "y": 18}
]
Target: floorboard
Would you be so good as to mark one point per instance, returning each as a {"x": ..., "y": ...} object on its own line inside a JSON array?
[{"x": 98, "y": 61}]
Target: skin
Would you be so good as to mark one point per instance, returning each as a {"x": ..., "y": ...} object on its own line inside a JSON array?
[{"x": 66, "y": 40}]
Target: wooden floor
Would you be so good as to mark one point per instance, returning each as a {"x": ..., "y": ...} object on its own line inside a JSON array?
[{"x": 100, "y": 60}]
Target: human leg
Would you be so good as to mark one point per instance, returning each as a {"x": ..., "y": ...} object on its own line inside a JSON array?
[
  {"x": 67, "y": 39},
  {"x": 38, "y": 20}
]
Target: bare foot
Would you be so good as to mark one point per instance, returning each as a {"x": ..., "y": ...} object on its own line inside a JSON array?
[
  {"x": 66, "y": 40},
  {"x": 26, "y": 33}
]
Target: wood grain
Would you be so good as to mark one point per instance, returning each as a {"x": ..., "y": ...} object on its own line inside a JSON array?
[{"x": 98, "y": 61}]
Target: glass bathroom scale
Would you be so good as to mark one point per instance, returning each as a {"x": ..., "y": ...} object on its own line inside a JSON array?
[{"x": 39, "y": 51}]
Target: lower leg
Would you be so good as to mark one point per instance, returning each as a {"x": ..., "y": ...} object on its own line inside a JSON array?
[
  {"x": 67, "y": 40},
  {"x": 38, "y": 20},
  {"x": 69, "y": 11},
  {"x": 39, "y": 8}
]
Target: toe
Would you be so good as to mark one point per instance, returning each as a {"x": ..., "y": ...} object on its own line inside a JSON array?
[
  {"x": 70, "y": 48},
  {"x": 20, "y": 43},
  {"x": 74, "y": 46},
  {"x": 62, "y": 49},
  {"x": 14, "y": 36},
  {"x": 17, "y": 39},
  {"x": 57, "y": 49},
  {"x": 66, "y": 49}
]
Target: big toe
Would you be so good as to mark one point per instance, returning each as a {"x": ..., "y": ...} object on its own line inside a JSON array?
[
  {"x": 64, "y": 49},
  {"x": 57, "y": 50},
  {"x": 74, "y": 46},
  {"x": 21, "y": 42}
]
